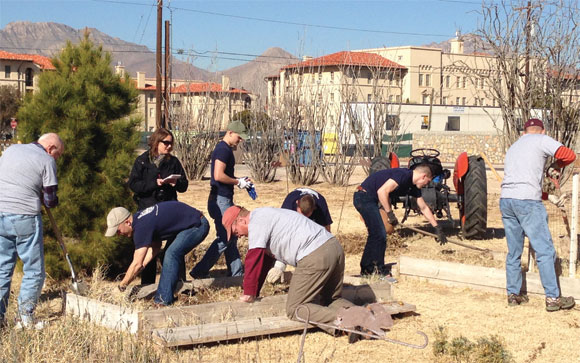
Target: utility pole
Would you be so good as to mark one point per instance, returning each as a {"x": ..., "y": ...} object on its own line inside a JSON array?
[
  {"x": 166, "y": 80},
  {"x": 158, "y": 119},
  {"x": 528, "y": 29}
]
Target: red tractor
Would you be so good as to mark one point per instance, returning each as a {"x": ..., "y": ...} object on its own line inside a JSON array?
[{"x": 469, "y": 180}]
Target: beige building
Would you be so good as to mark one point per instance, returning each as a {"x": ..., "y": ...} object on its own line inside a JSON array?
[
  {"x": 337, "y": 78},
  {"x": 440, "y": 78},
  {"x": 190, "y": 97},
  {"x": 454, "y": 86},
  {"x": 21, "y": 70}
]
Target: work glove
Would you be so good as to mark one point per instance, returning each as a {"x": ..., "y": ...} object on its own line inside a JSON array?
[
  {"x": 276, "y": 273},
  {"x": 554, "y": 171},
  {"x": 392, "y": 218},
  {"x": 252, "y": 191},
  {"x": 441, "y": 238},
  {"x": 244, "y": 183}
]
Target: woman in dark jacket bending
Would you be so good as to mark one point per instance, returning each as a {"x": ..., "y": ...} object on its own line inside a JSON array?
[{"x": 146, "y": 181}]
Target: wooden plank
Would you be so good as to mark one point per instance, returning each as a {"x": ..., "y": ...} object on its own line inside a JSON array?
[
  {"x": 478, "y": 277},
  {"x": 147, "y": 291},
  {"x": 266, "y": 307},
  {"x": 101, "y": 313},
  {"x": 232, "y": 330}
]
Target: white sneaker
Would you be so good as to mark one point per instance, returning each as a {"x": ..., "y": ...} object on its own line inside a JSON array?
[{"x": 28, "y": 322}]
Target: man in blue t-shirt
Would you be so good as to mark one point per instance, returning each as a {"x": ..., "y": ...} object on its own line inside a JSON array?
[
  {"x": 378, "y": 188},
  {"x": 309, "y": 203},
  {"x": 150, "y": 226},
  {"x": 221, "y": 197}
]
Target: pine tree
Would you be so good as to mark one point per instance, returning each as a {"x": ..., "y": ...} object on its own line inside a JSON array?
[{"x": 91, "y": 108}]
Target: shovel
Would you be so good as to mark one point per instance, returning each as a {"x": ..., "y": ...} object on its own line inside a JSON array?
[
  {"x": 77, "y": 286},
  {"x": 449, "y": 240}
]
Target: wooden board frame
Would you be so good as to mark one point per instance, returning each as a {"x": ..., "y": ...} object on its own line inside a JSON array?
[
  {"x": 221, "y": 321},
  {"x": 478, "y": 277}
]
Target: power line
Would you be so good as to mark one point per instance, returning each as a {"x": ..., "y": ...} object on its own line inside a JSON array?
[{"x": 275, "y": 21}]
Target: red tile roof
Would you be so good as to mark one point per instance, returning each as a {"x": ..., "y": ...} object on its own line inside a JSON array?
[
  {"x": 42, "y": 61},
  {"x": 204, "y": 87},
  {"x": 346, "y": 58}
]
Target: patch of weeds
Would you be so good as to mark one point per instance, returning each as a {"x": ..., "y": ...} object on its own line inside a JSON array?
[
  {"x": 460, "y": 349},
  {"x": 536, "y": 352}
]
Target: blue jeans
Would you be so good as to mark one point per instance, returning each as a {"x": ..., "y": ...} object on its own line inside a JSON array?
[
  {"x": 184, "y": 242},
  {"x": 217, "y": 206},
  {"x": 528, "y": 218},
  {"x": 21, "y": 235},
  {"x": 374, "y": 252}
]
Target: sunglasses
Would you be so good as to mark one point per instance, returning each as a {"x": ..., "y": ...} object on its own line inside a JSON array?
[{"x": 166, "y": 143}]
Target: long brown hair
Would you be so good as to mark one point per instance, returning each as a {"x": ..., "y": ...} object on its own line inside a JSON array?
[{"x": 156, "y": 138}]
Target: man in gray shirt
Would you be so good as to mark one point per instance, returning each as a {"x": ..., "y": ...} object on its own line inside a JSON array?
[
  {"x": 287, "y": 236},
  {"x": 27, "y": 179},
  {"x": 523, "y": 212}
]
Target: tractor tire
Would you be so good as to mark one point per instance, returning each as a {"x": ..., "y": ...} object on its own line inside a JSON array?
[
  {"x": 474, "y": 218},
  {"x": 379, "y": 163}
]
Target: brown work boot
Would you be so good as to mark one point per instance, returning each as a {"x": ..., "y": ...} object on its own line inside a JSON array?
[
  {"x": 514, "y": 300},
  {"x": 558, "y": 303}
]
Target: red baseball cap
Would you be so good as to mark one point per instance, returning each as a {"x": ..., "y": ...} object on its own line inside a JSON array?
[
  {"x": 229, "y": 217},
  {"x": 534, "y": 122}
]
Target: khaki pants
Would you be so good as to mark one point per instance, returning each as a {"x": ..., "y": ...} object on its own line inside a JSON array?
[{"x": 317, "y": 284}]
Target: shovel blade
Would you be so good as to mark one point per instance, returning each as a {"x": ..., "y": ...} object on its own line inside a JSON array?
[{"x": 79, "y": 287}]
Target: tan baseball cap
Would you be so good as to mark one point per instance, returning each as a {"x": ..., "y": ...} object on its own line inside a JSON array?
[{"x": 115, "y": 217}]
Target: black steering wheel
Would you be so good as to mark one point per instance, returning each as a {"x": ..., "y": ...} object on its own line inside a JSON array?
[{"x": 431, "y": 153}]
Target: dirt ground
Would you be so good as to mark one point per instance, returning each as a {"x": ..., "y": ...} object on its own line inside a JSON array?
[{"x": 529, "y": 332}]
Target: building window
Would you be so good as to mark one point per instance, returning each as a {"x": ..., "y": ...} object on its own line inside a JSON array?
[
  {"x": 392, "y": 122},
  {"x": 398, "y": 98},
  {"x": 6, "y": 71},
  {"x": 444, "y": 100},
  {"x": 151, "y": 112},
  {"x": 457, "y": 100},
  {"x": 332, "y": 98},
  {"x": 420, "y": 79},
  {"x": 29, "y": 77},
  {"x": 151, "y": 97},
  {"x": 458, "y": 82},
  {"x": 427, "y": 80},
  {"x": 369, "y": 97},
  {"x": 464, "y": 82},
  {"x": 425, "y": 99},
  {"x": 453, "y": 123},
  {"x": 447, "y": 78},
  {"x": 331, "y": 77},
  {"x": 463, "y": 101}
]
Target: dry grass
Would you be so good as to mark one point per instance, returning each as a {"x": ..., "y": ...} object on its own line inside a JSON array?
[{"x": 527, "y": 332}]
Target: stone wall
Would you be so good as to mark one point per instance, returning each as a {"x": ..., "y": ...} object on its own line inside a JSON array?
[{"x": 452, "y": 143}]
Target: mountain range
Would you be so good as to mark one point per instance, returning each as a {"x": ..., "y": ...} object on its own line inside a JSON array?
[{"x": 48, "y": 38}]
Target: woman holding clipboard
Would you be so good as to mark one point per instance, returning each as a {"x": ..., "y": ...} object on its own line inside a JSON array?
[{"x": 157, "y": 176}]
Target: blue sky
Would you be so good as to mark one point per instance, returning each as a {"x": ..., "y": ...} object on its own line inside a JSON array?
[{"x": 234, "y": 26}]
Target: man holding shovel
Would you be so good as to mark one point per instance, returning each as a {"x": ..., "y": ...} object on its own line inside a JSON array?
[
  {"x": 378, "y": 188},
  {"x": 27, "y": 180}
]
